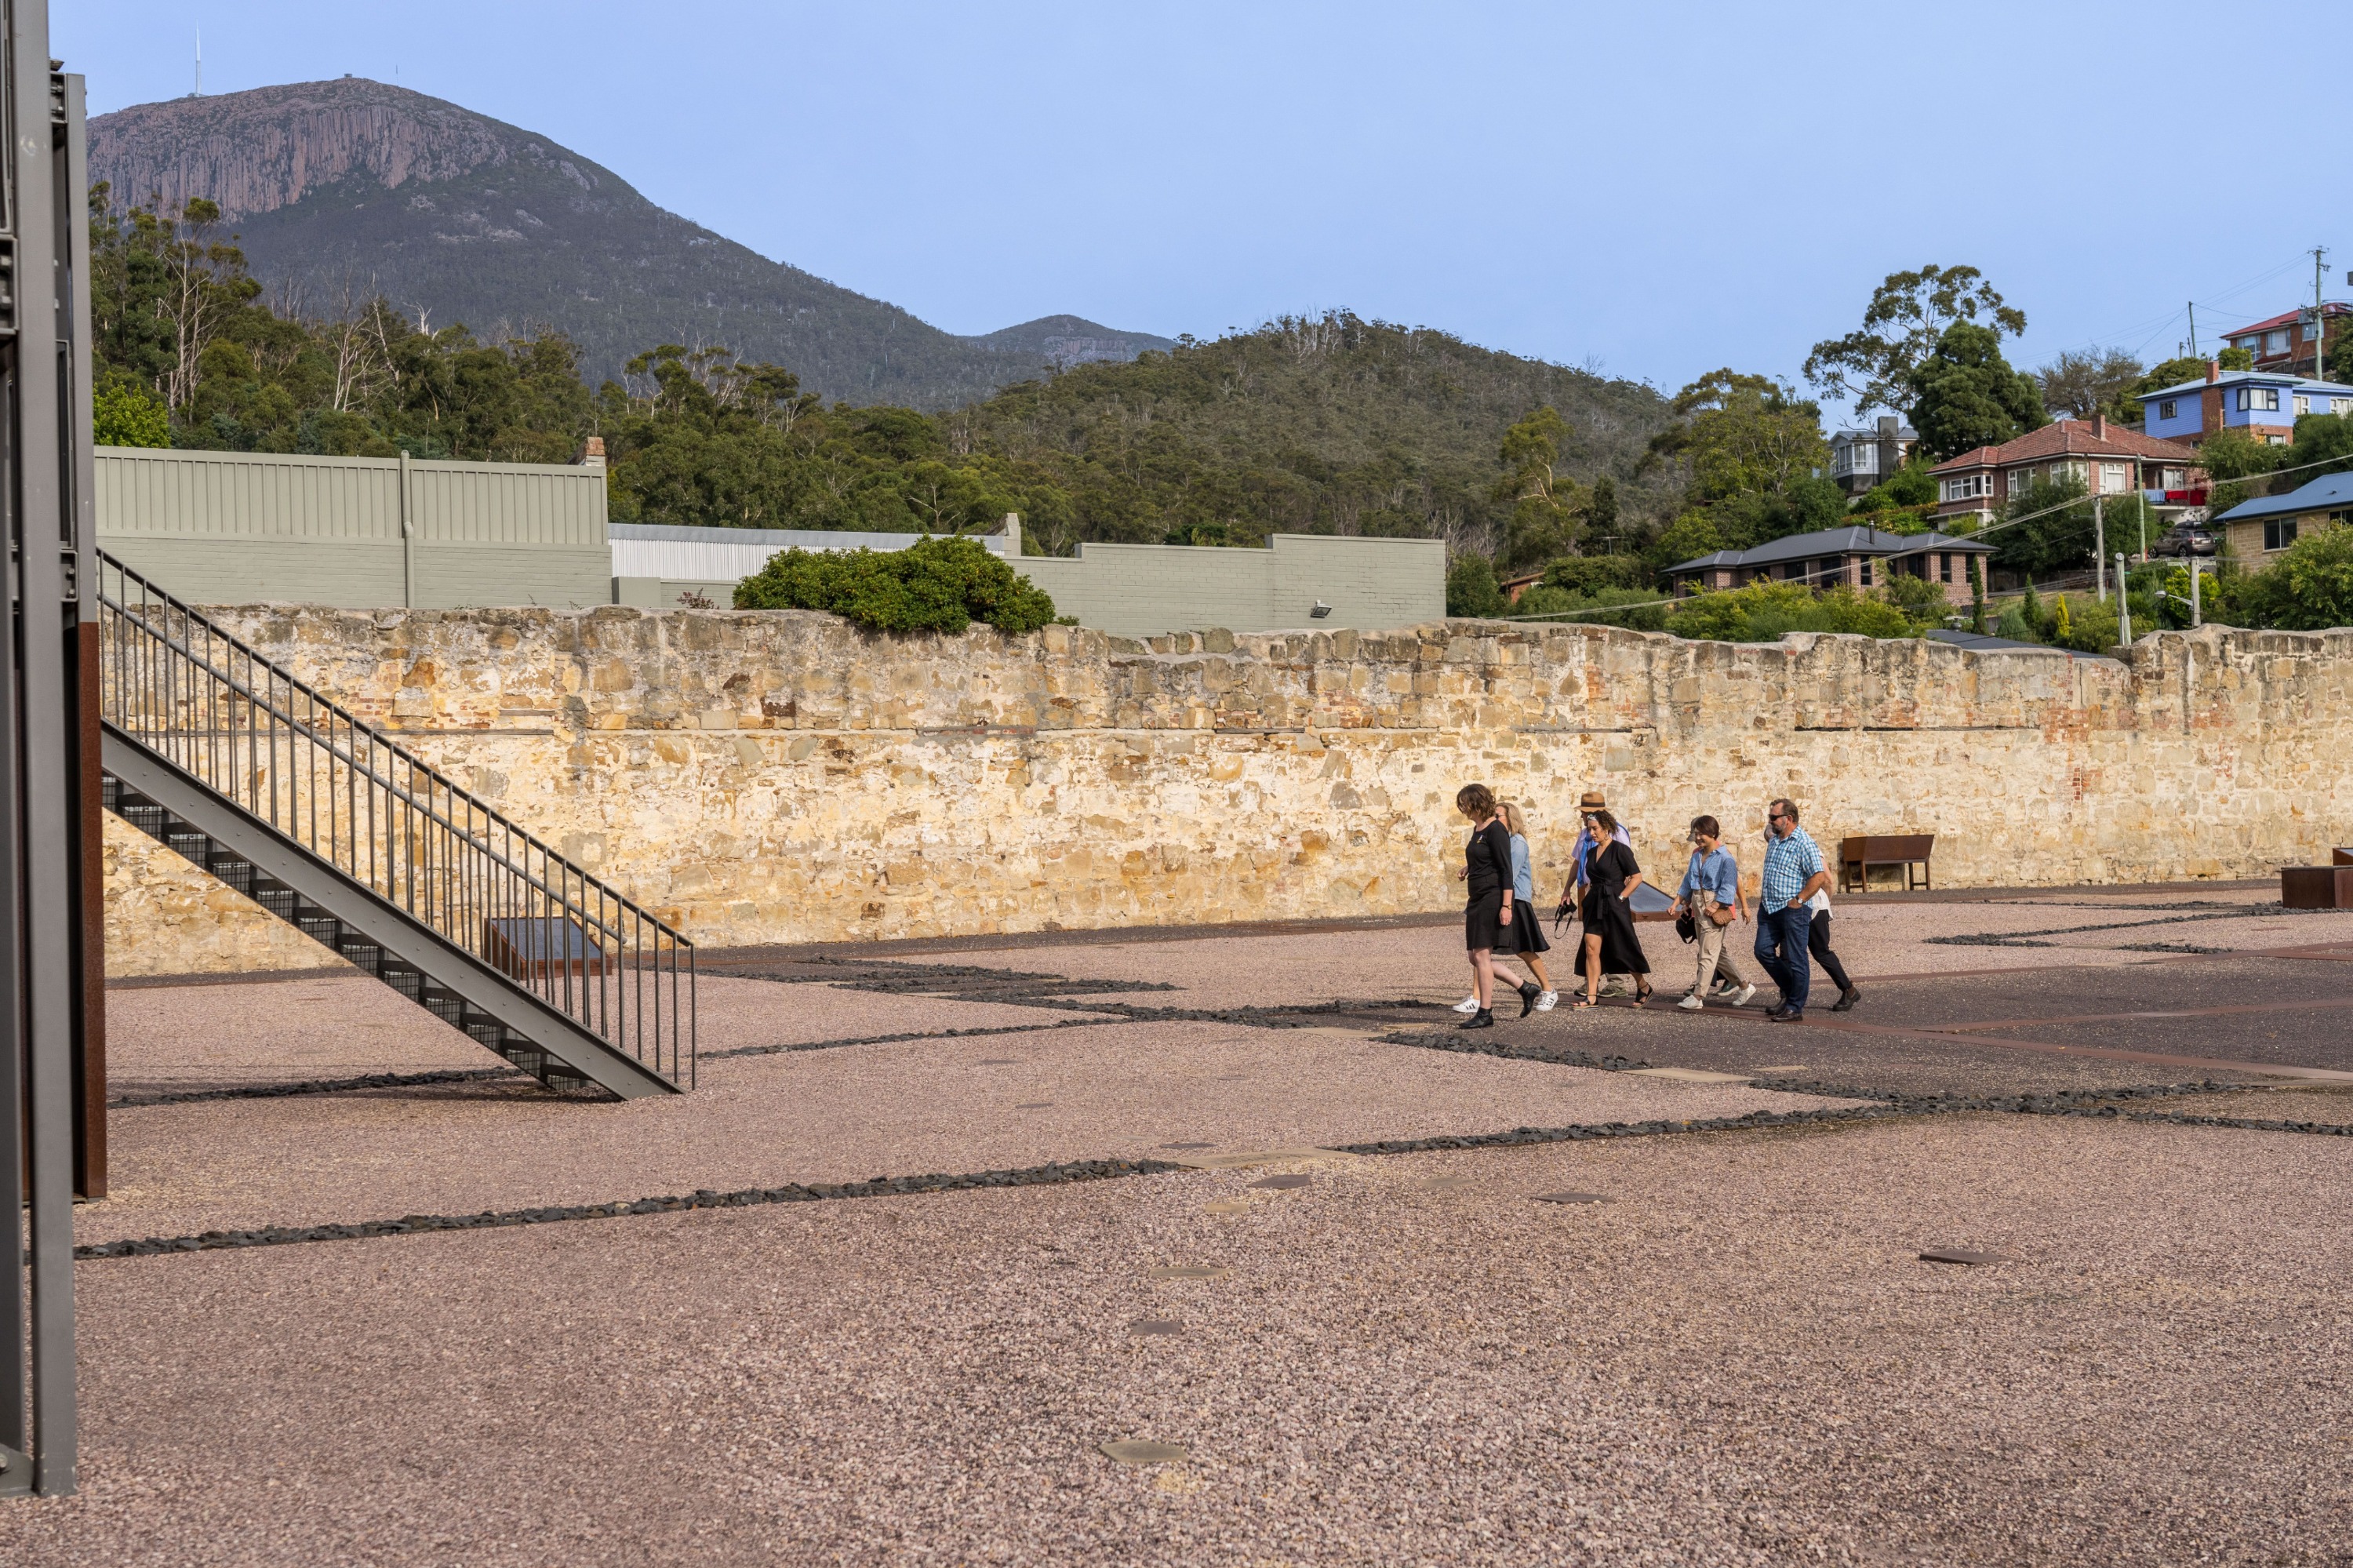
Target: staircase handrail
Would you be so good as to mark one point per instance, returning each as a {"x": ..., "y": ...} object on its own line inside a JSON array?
[
  {"x": 368, "y": 770},
  {"x": 379, "y": 737}
]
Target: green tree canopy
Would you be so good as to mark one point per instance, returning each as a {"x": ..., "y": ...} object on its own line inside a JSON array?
[
  {"x": 2052, "y": 531},
  {"x": 1964, "y": 394},
  {"x": 2081, "y": 382},
  {"x": 1742, "y": 434},
  {"x": 1546, "y": 507},
  {"x": 1471, "y": 588},
  {"x": 1872, "y": 367}
]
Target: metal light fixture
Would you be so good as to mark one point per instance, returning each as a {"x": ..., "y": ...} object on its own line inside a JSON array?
[{"x": 1321, "y": 609}]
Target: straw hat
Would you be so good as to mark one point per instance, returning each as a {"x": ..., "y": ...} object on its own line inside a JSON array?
[{"x": 1592, "y": 802}]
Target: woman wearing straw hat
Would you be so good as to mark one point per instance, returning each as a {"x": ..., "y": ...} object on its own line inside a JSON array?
[{"x": 1610, "y": 945}]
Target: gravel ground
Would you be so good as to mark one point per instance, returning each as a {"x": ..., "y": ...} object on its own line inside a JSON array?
[
  {"x": 1739, "y": 1360},
  {"x": 2329, "y": 1104},
  {"x": 178, "y": 1039},
  {"x": 843, "y": 1115},
  {"x": 1875, "y": 940}
]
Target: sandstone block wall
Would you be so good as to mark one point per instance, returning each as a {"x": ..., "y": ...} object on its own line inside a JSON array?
[{"x": 783, "y": 777}]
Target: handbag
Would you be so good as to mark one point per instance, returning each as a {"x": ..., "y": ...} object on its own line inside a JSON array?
[{"x": 1687, "y": 927}]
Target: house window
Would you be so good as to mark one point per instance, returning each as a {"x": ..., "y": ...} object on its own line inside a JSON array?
[
  {"x": 2169, "y": 409},
  {"x": 1968, "y": 486},
  {"x": 2275, "y": 440},
  {"x": 2258, "y": 398},
  {"x": 2174, "y": 478},
  {"x": 1944, "y": 567},
  {"x": 2279, "y": 535},
  {"x": 1863, "y": 570},
  {"x": 2114, "y": 478},
  {"x": 2022, "y": 480},
  {"x": 2303, "y": 405},
  {"x": 2275, "y": 342}
]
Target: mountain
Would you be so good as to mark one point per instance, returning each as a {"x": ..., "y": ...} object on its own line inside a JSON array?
[{"x": 354, "y": 187}]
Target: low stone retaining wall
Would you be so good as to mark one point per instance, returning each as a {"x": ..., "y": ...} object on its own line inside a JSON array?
[{"x": 765, "y": 777}]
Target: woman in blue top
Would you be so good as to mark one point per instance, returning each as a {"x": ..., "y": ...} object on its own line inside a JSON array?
[{"x": 1528, "y": 935}]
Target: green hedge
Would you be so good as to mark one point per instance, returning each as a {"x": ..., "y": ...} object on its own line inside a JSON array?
[{"x": 937, "y": 585}]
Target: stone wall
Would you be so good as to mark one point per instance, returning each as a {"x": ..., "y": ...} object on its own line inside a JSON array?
[{"x": 783, "y": 777}]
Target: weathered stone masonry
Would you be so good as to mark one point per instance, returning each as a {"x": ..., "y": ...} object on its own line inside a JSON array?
[{"x": 783, "y": 777}]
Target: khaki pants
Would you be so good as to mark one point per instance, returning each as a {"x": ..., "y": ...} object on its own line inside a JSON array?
[{"x": 1715, "y": 954}]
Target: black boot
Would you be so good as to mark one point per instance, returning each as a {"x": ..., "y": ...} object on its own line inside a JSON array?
[
  {"x": 1529, "y": 991},
  {"x": 1483, "y": 1018}
]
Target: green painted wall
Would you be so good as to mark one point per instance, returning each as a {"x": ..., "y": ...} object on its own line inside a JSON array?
[{"x": 258, "y": 527}]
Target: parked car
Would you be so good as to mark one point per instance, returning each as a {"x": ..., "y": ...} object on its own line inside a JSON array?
[{"x": 2185, "y": 539}]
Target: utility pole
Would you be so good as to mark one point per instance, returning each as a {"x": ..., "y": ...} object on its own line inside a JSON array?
[
  {"x": 2124, "y": 605},
  {"x": 2319, "y": 320},
  {"x": 2193, "y": 329},
  {"x": 2196, "y": 618},
  {"x": 2100, "y": 546}
]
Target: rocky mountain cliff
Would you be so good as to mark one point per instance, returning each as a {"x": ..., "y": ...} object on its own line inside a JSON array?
[{"x": 354, "y": 187}]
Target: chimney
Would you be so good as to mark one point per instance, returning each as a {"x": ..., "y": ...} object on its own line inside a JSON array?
[
  {"x": 2213, "y": 370},
  {"x": 592, "y": 453},
  {"x": 2099, "y": 427}
]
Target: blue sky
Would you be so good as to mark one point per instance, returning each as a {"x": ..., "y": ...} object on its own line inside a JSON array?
[{"x": 1653, "y": 190}]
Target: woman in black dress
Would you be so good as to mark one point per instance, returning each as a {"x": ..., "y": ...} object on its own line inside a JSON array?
[
  {"x": 1610, "y": 947},
  {"x": 1488, "y": 915}
]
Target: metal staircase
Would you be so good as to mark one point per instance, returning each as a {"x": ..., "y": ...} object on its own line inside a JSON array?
[{"x": 361, "y": 846}]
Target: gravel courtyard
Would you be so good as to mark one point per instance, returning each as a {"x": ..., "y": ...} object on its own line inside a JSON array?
[{"x": 948, "y": 1229}]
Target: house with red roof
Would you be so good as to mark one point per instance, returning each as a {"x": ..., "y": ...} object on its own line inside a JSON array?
[
  {"x": 2104, "y": 459},
  {"x": 2284, "y": 342}
]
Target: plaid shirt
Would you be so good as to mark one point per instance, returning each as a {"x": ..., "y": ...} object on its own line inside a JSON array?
[{"x": 1789, "y": 864}]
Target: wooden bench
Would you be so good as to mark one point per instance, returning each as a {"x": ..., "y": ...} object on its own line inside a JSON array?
[{"x": 1858, "y": 855}]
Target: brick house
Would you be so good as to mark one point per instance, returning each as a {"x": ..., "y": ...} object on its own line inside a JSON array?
[
  {"x": 2259, "y": 529},
  {"x": 2284, "y": 342},
  {"x": 1858, "y": 557},
  {"x": 2104, "y": 459}
]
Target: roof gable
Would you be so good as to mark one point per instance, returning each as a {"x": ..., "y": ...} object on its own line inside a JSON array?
[
  {"x": 1849, "y": 541},
  {"x": 2070, "y": 438}
]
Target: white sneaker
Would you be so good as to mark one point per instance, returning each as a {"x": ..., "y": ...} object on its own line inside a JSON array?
[
  {"x": 1468, "y": 1004},
  {"x": 1690, "y": 1001},
  {"x": 1545, "y": 1001},
  {"x": 1741, "y": 999}
]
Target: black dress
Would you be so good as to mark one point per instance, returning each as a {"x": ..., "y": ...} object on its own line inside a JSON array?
[
  {"x": 1605, "y": 914},
  {"x": 1488, "y": 857}
]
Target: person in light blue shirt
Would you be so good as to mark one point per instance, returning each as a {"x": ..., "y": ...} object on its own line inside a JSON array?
[
  {"x": 1793, "y": 873},
  {"x": 1710, "y": 896}
]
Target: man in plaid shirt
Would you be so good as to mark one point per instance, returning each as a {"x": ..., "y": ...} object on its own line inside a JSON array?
[{"x": 1793, "y": 873}]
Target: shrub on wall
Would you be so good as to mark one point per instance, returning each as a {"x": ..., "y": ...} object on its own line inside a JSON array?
[
  {"x": 1762, "y": 612},
  {"x": 937, "y": 585}
]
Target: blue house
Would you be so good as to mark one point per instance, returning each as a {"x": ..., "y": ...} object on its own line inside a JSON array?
[{"x": 2264, "y": 403}]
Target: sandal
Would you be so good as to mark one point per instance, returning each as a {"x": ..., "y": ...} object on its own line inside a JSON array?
[
  {"x": 1585, "y": 1001},
  {"x": 1643, "y": 993}
]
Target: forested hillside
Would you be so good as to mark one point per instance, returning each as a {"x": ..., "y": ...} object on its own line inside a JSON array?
[
  {"x": 1325, "y": 425},
  {"x": 1312, "y": 425}
]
